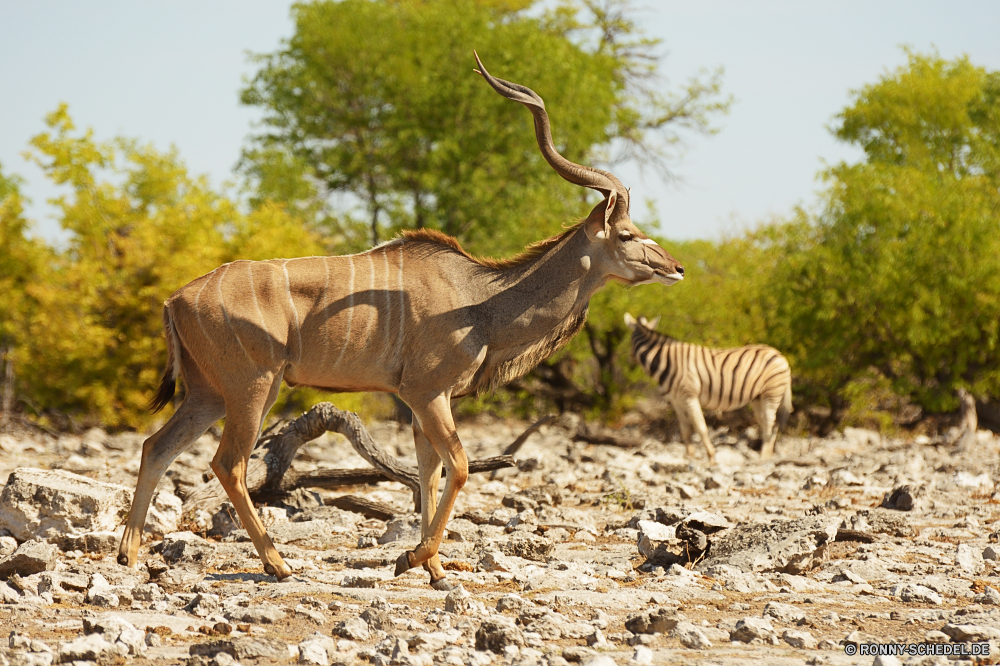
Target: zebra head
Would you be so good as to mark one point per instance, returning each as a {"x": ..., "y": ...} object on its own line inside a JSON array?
[{"x": 632, "y": 324}]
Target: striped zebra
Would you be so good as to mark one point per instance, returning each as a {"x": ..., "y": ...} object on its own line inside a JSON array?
[{"x": 692, "y": 377}]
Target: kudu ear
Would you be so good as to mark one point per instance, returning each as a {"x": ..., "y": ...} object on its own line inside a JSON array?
[{"x": 598, "y": 223}]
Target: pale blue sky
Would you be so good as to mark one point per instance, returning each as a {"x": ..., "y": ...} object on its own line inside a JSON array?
[{"x": 168, "y": 73}]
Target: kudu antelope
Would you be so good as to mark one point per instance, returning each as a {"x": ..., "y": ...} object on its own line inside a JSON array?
[{"x": 416, "y": 316}]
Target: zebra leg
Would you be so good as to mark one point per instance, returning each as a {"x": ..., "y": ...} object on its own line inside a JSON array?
[
  {"x": 680, "y": 408},
  {"x": 698, "y": 421},
  {"x": 765, "y": 409}
]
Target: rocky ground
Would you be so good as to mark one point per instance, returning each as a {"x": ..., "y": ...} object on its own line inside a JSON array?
[{"x": 583, "y": 553}]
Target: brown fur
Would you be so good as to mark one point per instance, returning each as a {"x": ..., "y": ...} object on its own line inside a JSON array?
[{"x": 417, "y": 316}]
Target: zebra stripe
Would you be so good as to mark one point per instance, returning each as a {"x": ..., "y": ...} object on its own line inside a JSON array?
[{"x": 719, "y": 379}]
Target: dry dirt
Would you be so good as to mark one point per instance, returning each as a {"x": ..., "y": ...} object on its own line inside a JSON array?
[{"x": 877, "y": 575}]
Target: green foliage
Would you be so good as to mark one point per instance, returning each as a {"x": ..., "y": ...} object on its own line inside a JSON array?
[
  {"x": 899, "y": 272},
  {"x": 24, "y": 263},
  {"x": 885, "y": 302},
  {"x": 871, "y": 403},
  {"x": 88, "y": 337},
  {"x": 377, "y": 99}
]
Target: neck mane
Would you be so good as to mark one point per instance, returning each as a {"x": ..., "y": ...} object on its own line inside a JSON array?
[{"x": 432, "y": 241}]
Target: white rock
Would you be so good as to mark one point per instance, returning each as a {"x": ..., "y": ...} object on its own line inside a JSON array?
[
  {"x": 862, "y": 438},
  {"x": 8, "y": 545},
  {"x": 494, "y": 560},
  {"x": 969, "y": 559},
  {"x": 750, "y": 629},
  {"x": 458, "y": 601},
  {"x": 272, "y": 515},
  {"x": 51, "y": 503},
  {"x": 317, "y": 649},
  {"x": 651, "y": 533},
  {"x": 91, "y": 647},
  {"x": 657, "y": 531},
  {"x": 799, "y": 639},
  {"x": 597, "y": 639},
  {"x": 707, "y": 519},
  {"x": 599, "y": 660},
  {"x": 785, "y": 613},
  {"x": 843, "y": 477},
  {"x": 980, "y": 482},
  {"x": 910, "y": 592},
  {"x": 989, "y": 596},
  {"x": 642, "y": 655},
  {"x": 403, "y": 528},
  {"x": 691, "y": 636},
  {"x": 164, "y": 514},
  {"x": 975, "y": 633},
  {"x": 887, "y": 660},
  {"x": 133, "y": 639}
]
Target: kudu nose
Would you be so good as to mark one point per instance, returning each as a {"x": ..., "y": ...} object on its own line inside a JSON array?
[{"x": 680, "y": 269}]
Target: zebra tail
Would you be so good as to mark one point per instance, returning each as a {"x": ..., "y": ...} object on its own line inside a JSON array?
[{"x": 786, "y": 407}]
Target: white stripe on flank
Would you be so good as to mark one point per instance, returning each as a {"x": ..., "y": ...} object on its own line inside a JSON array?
[
  {"x": 350, "y": 312},
  {"x": 197, "y": 310},
  {"x": 326, "y": 289},
  {"x": 260, "y": 313},
  {"x": 298, "y": 330},
  {"x": 225, "y": 315},
  {"x": 371, "y": 314},
  {"x": 402, "y": 306},
  {"x": 388, "y": 303}
]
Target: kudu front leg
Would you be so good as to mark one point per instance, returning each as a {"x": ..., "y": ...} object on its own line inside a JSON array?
[
  {"x": 429, "y": 469},
  {"x": 438, "y": 427}
]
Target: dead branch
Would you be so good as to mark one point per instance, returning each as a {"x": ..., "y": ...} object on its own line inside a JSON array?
[
  {"x": 366, "y": 507},
  {"x": 586, "y": 434},
  {"x": 519, "y": 442},
  {"x": 338, "y": 478},
  {"x": 269, "y": 479},
  {"x": 514, "y": 446}
]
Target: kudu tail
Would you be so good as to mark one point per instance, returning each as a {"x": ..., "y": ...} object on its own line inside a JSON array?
[
  {"x": 168, "y": 383},
  {"x": 785, "y": 409}
]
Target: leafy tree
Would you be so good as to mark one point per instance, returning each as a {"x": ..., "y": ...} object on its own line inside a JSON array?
[
  {"x": 899, "y": 274},
  {"x": 23, "y": 263},
  {"x": 375, "y": 99},
  {"x": 141, "y": 227}
]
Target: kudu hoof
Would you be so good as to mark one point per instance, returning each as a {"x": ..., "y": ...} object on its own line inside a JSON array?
[
  {"x": 123, "y": 560},
  {"x": 403, "y": 563},
  {"x": 271, "y": 570},
  {"x": 442, "y": 584}
]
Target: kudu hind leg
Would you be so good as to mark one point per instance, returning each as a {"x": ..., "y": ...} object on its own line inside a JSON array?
[
  {"x": 195, "y": 415},
  {"x": 230, "y": 466},
  {"x": 438, "y": 426}
]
